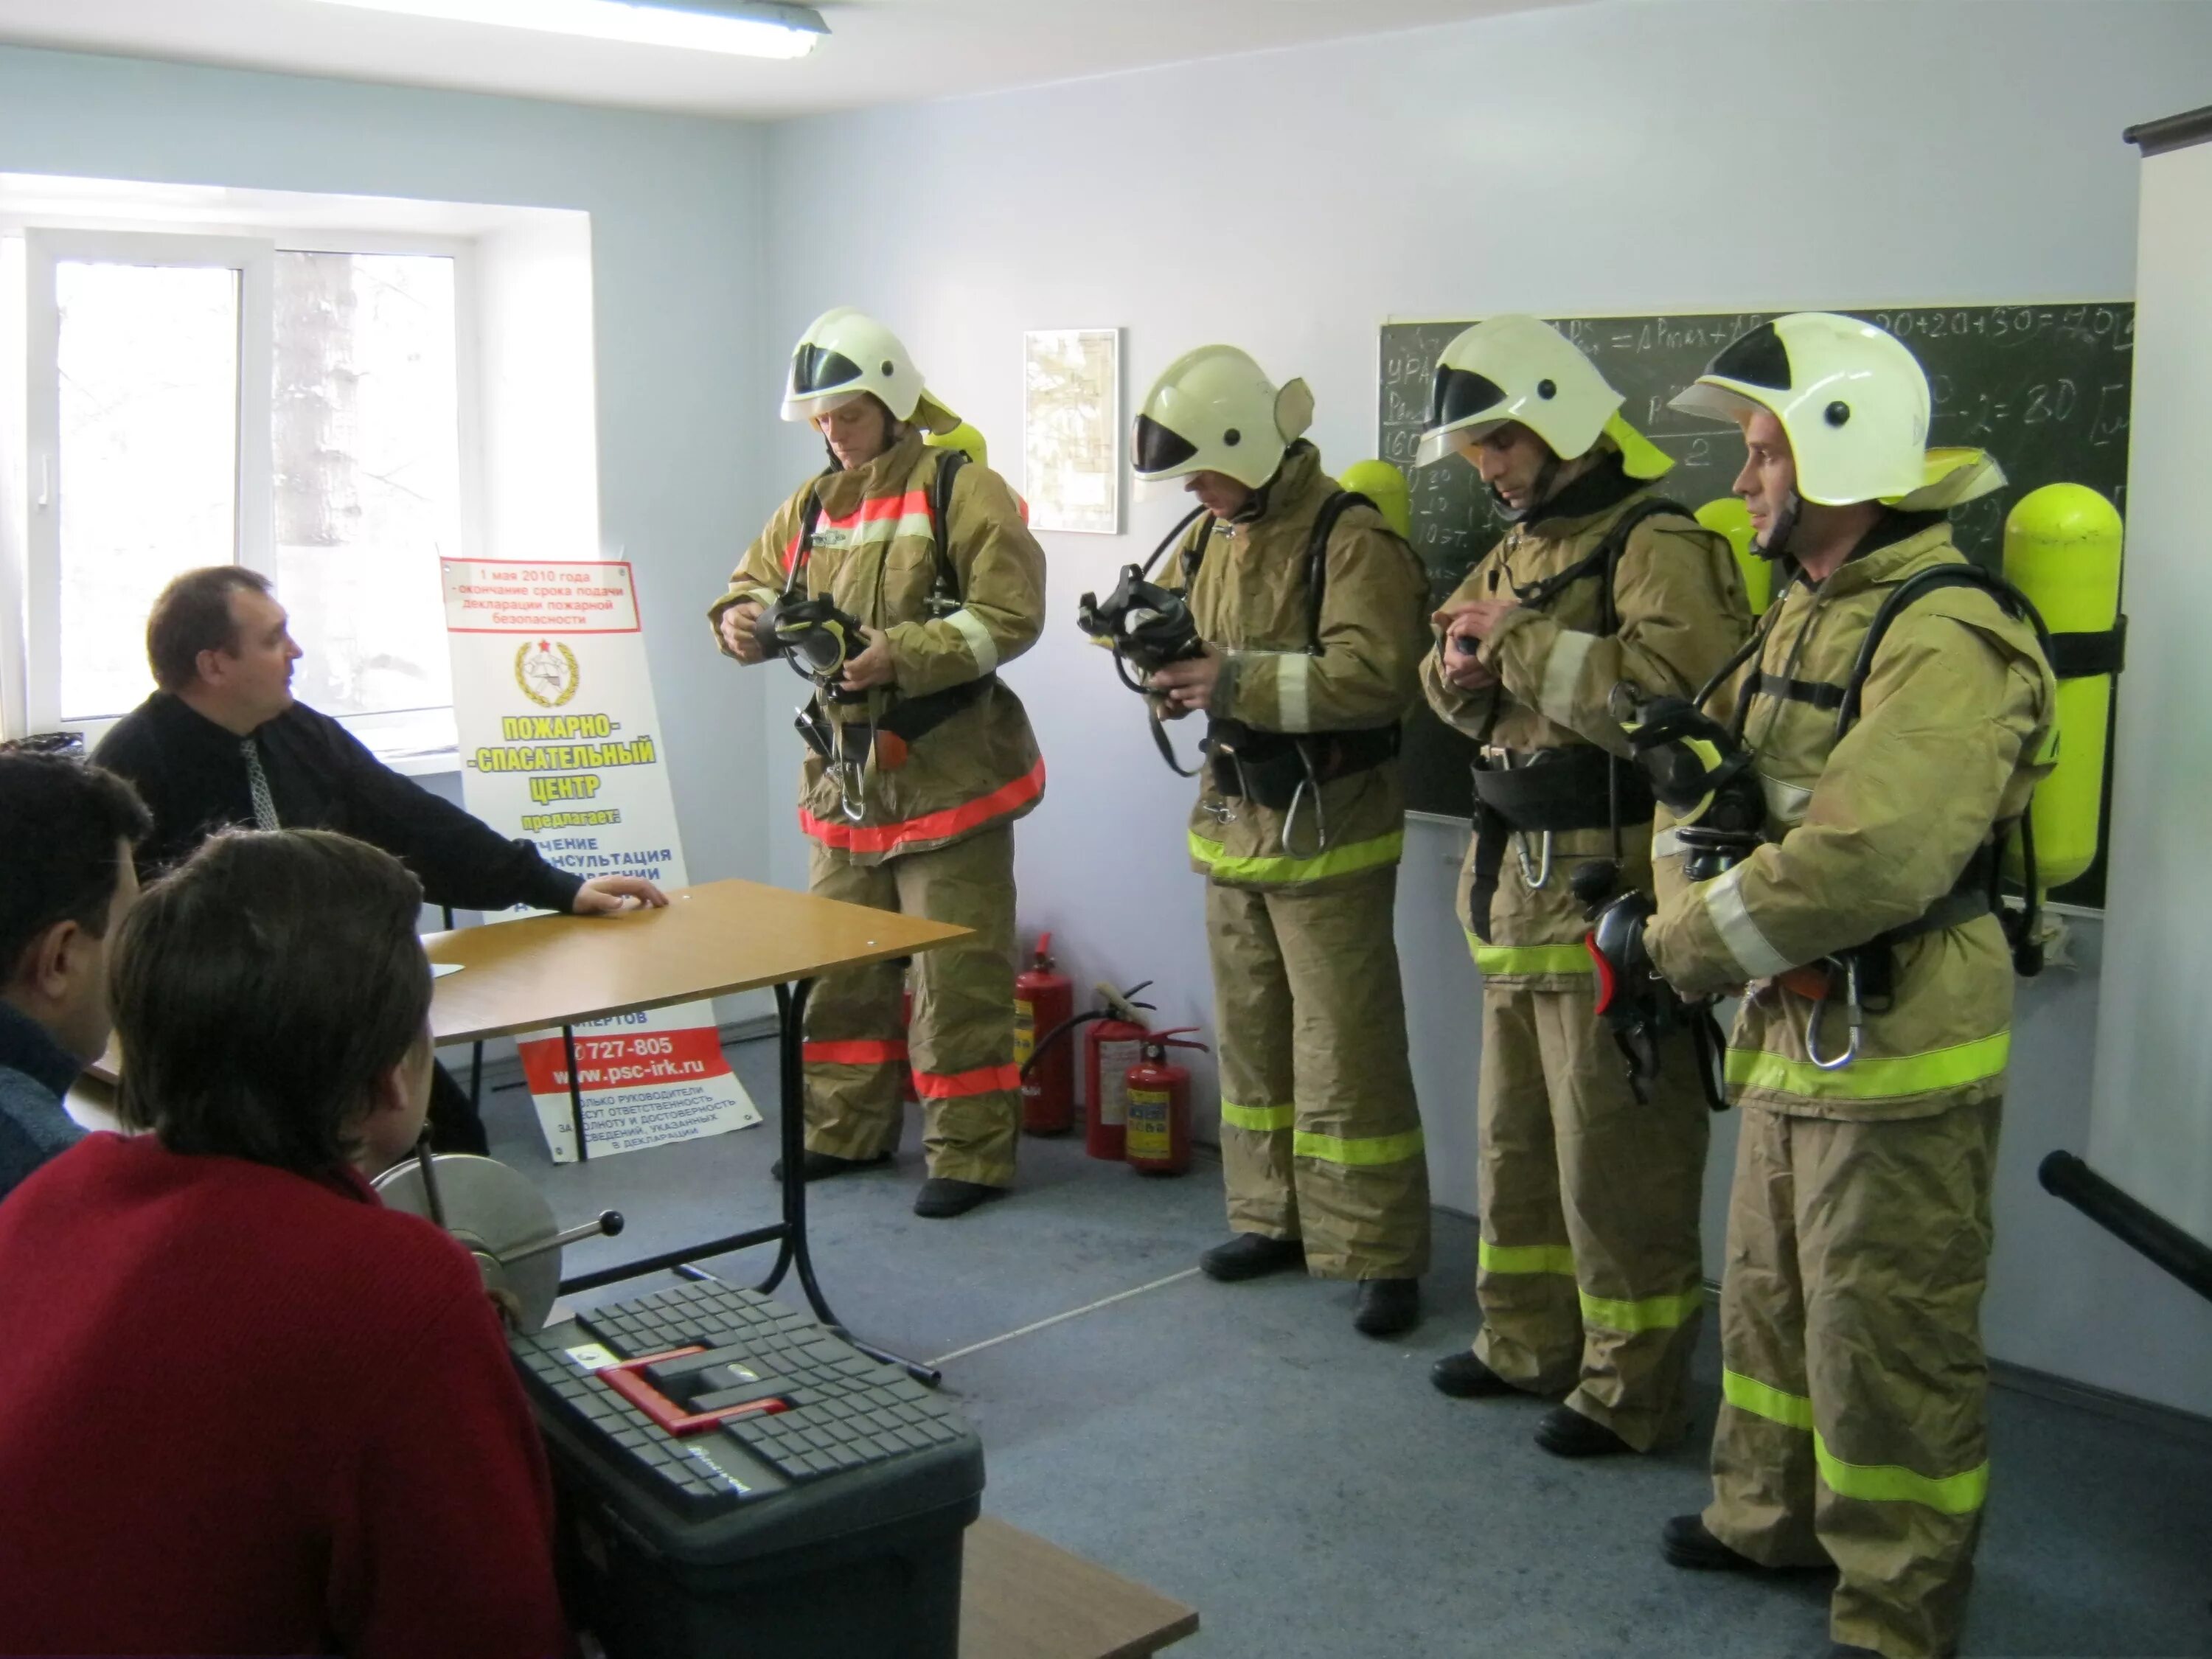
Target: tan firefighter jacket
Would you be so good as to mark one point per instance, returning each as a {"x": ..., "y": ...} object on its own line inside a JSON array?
[
  {"x": 874, "y": 554},
  {"x": 1868, "y": 834},
  {"x": 1250, "y": 599},
  {"x": 1679, "y": 602}
]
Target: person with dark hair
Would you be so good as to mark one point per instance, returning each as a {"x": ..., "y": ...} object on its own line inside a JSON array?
[
  {"x": 222, "y": 742},
  {"x": 281, "y": 1417},
  {"x": 66, "y": 832}
]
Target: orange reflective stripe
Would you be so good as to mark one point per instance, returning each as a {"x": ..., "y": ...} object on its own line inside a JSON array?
[
  {"x": 929, "y": 826},
  {"x": 883, "y": 506},
  {"x": 983, "y": 1080},
  {"x": 854, "y": 1054}
]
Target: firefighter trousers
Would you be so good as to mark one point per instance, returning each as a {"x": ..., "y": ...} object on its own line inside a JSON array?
[
  {"x": 1853, "y": 1423},
  {"x": 1321, "y": 1138},
  {"x": 1588, "y": 1268},
  {"x": 961, "y": 1043}
]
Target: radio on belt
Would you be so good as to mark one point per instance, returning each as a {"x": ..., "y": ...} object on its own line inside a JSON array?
[{"x": 737, "y": 1482}]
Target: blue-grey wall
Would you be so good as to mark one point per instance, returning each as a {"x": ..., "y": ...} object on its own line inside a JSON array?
[{"x": 675, "y": 233}]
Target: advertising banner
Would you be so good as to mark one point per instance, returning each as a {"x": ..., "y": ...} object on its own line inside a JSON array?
[{"x": 560, "y": 745}]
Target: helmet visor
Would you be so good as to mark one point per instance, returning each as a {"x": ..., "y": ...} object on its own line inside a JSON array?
[
  {"x": 816, "y": 369},
  {"x": 1460, "y": 395},
  {"x": 1160, "y": 452}
]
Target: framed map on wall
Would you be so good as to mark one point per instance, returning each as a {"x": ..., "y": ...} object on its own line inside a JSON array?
[{"x": 1072, "y": 429}]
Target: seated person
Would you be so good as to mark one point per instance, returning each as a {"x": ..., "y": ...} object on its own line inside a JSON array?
[
  {"x": 222, "y": 742},
  {"x": 249, "y": 1409},
  {"x": 66, "y": 832}
]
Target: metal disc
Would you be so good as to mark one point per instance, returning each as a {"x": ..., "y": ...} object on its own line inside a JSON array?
[{"x": 493, "y": 1210}]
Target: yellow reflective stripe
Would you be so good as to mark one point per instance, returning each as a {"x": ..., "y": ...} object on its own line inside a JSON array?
[
  {"x": 1886, "y": 1483},
  {"x": 1652, "y": 1313},
  {"x": 1524, "y": 1258},
  {"x": 1338, "y": 861},
  {"x": 1362, "y": 1152},
  {"x": 1792, "y": 1411},
  {"x": 1874, "y": 1079},
  {"x": 978, "y": 637},
  {"x": 1731, "y": 919},
  {"x": 1562, "y": 673},
  {"x": 869, "y": 532},
  {"x": 1877, "y": 1483},
  {"x": 1260, "y": 1120},
  {"x": 1529, "y": 958}
]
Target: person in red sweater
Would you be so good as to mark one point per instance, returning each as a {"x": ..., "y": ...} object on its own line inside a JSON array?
[{"x": 247, "y": 1409}]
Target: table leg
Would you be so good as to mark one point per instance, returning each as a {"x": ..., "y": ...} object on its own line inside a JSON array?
[
  {"x": 576, "y": 1093},
  {"x": 791, "y": 1095}
]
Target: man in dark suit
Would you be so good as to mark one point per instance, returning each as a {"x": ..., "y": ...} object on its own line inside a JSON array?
[{"x": 222, "y": 742}]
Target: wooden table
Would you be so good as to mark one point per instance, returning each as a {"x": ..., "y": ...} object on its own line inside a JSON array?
[
  {"x": 1022, "y": 1598},
  {"x": 711, "y": 940}
]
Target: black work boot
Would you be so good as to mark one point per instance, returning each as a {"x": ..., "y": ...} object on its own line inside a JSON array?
[
  {"x": 1685, "y": 1543},
  {"x": 1465, "y": 1378},
  {"x": 1565, "y": 1432},
  {"x": 820, "y": 1166},
  {"x": 1247, "y": 1256},
  {"x": 1388, "y": 1306},
  {"x": 941, "y": 1197}
]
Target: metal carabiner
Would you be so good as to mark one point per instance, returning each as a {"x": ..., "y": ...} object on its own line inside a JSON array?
[
  {"x": 1856, "y": 1011},
  {"x": 1542, "y": 877},
  {"x": 851, "y": 778},
  {"x": 1321, "y": 825}
]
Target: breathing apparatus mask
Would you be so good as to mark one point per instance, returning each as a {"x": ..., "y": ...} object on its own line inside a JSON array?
[
  {"x": 1144, "y": 625},
  {"x": 1699, "y": 771},
  {"x": 816, "y": 638}
]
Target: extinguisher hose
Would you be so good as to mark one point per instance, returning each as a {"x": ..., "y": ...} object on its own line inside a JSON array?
[
  {"x": 1057, "y": 1032},
  {"x": 1038, "y": 1052}
]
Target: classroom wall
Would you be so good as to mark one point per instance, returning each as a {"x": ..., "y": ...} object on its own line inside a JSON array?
[
  {"x": 675, "y": 206},
  {"x": 1586, "y": 159}
]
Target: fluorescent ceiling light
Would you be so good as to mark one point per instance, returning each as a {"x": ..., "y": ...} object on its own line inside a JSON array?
[{"x": 746, "y": 29}]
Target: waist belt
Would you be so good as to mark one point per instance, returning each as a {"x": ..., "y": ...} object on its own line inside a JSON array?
[
  {"x": 1267, "y": 767},
  {"x": 1562, "y": 789},
  {"x": 1973, "y": 896},
  {"x": 912, "y": 719}
]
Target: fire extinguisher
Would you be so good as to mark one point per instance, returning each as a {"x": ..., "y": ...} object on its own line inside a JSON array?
[
  {"x": 1158, "y": 1139},
  {"x": 1110, "y": 1048},
  {"x": 1045, "y": 1001}
]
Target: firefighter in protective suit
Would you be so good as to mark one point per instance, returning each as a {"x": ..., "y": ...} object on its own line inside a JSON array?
[
  {"x": 1851, "y": 1431},
  {"x": 1589, "y": 1268},
  {"x": 1311, "y": 612},
  {"x": 921, "y": 758}
]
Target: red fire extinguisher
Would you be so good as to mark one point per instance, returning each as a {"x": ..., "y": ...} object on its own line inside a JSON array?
[
  {"x": 1110, "y": 1048},
  {"x": 1045, "y": 1001},
  {"x": 1158, "y": 1139}
]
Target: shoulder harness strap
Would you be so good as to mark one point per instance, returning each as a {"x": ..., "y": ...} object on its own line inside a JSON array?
[
  {"x": 1604, "y": 558},
  {"x": 949, "y": 463}
]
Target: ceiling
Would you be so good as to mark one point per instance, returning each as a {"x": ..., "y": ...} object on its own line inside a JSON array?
[{"x": 880, "y": 51}]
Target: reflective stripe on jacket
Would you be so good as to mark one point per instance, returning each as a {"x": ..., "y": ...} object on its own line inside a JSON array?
[
  {"x": 1868, "y": 834},
  {"x": 1679, "y": 602},
  {"x": 1250, "y": 599},
  {"x": 875, "y": 556}
]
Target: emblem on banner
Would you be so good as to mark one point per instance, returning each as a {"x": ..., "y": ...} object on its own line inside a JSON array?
[{"x": 546, "y": 672}]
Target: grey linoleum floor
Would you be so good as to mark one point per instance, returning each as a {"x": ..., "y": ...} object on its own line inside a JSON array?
[{"x": 1240, "y": 1448}]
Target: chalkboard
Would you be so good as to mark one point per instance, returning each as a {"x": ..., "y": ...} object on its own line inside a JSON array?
[{"x": 2045, "y": 388}]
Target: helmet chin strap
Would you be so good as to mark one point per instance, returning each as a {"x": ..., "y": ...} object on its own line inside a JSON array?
[
  {"x": 1776, "y": 542},
  {"x": 1538, "y": 493}
]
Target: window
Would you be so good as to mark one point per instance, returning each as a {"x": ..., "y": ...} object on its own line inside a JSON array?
[{"x": 294, "y": 405}]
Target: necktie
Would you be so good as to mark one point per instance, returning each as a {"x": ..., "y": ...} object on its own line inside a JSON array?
[{"x": 265, "y": 804}]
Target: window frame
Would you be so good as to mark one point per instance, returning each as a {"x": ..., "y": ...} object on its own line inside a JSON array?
[{"x": 251, "y": 251}]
